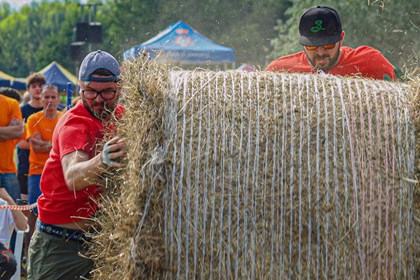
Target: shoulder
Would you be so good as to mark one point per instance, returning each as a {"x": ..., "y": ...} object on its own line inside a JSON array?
[
  {"x": 362, "y": 51},
  {"x": 78, "y": 118},
  {"x": 369, "y": 62},
  {"x": 286, "y": 62},
  {"x": 35, "y": 116},
  {"x": 12, "y": 102}
]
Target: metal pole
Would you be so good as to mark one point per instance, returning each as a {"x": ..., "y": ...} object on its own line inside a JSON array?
[
  {"x": 89, "y": 20},
  {"x": 69, "y": 95}
]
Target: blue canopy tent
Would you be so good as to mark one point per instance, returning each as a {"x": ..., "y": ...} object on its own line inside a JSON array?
[
  {"x": 57, "y": 75},
  {"x": 12, "y": 82},
  {"x": 181, "y": 43}
]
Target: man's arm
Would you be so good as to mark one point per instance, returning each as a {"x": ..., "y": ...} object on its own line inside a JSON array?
[
  {"x": 13, "y": 131},
  {"x": 21, "y": 222},
  {"x": 80, "y": 171},
  {"x": 39, "y": 145}
]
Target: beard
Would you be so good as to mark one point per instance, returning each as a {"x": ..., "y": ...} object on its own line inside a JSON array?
[
  {"x": 101, "y": 114},
  {"x": 327, "y": 67}
]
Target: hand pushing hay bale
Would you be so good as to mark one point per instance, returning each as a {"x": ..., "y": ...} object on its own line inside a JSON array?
[{"x": 239, "y": 175}]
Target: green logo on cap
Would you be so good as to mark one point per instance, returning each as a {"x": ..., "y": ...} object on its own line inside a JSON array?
[{"x": 318, "y": 26}]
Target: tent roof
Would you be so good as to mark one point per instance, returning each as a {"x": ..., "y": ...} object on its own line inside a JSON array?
[
  {"x": 182, "y": 43},
  {"x": 9, "y": 81},
  {"x": 58, "y": 75}
]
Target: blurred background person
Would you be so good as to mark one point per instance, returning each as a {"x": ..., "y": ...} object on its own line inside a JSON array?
[
  {"x": 40, "y": 127},
  {"x": 25, "y": 98},
  {"x": 34, "y": 87},
  {"x": 322, "y": 36},
  {"x": 10, "y": 92},
  {"x": 11, "y": 131}
]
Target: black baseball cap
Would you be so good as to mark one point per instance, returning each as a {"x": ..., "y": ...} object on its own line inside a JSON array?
[{"x": 319, "y": 26}]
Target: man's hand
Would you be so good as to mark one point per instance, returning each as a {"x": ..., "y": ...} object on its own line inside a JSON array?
[
  {"x": 81, "y": 172},
  {"x": 19, "y": 218},
  {"x": 112, "y": 152},
  {"x": 39, "y": 145}
]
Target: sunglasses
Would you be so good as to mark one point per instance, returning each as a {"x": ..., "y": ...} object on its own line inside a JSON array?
[{"x": 327, "y": 47}]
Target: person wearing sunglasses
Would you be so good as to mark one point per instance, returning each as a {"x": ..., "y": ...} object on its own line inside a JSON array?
[
  {"x": 73, "y": 175},
  {"x": 321, "y": 36}
]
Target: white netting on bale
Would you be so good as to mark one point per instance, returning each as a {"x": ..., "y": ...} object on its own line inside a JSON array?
[{"x": 238, "y": 175}]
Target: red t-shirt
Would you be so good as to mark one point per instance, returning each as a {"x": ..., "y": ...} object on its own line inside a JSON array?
[
  {"x": 76, "y": 130},
  {"x": 363, "y": 61}
]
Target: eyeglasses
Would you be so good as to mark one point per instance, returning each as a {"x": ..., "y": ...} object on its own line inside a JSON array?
[
  {"x": 327, "y": 47},
  {"x": 106, "y": 94}
]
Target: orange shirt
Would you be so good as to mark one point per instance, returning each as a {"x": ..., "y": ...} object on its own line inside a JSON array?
[
  {"x": 9, "y": 109},
  {"x": 363, "y": 61},
  {"x": 44, "y": 126}
]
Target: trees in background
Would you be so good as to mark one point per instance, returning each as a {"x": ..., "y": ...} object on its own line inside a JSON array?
[
  {"x": 258, "y": 30},
  {"x": 245, "y": 25},
  {"x": 36, "y": 35},
  {"x": 41, "y": 32}
]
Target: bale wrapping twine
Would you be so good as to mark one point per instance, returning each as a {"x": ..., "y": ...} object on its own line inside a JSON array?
[{"x": 234, "y": 175}]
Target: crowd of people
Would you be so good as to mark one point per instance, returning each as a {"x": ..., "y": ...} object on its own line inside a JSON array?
[{"x": 61, "y": 157}]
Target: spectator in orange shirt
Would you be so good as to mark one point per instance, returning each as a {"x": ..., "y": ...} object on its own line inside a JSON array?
[
  {"x": 321, "y": 36},
  {"x": 40, "y": 127},
  {"x": 11, "y": 131}
]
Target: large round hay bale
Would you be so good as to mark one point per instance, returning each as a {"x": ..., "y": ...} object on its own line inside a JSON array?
[{"x": 234, "y": 175}]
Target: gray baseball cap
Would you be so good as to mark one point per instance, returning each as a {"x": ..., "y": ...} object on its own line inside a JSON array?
[{"x": 99, "y": 60}]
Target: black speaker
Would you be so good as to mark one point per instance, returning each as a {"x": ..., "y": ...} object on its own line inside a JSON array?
[
  {"x": 77, "y": 51},
  {"x": 82, "y": 31},
  {"x": 95, "y": 33}
]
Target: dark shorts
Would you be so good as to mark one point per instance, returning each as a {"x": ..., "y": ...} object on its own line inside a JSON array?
[
  {"x": 52, "y": 257},
  {"x": 34, "y": 191}
]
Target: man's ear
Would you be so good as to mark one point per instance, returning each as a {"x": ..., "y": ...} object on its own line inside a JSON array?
[
  {"x": 80, "y": 89},
  {"x": 342, "y": 36}
]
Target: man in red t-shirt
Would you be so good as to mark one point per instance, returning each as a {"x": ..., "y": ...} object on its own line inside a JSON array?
[
  {"x": 72, "y": 175},
  {"x": 322, "y": 36}
]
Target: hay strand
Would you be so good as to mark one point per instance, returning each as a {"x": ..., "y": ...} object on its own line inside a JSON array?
[{"x": 264, "y": 176}]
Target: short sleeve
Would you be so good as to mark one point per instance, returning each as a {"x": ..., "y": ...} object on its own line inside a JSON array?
[
  {"x": 30, "y": 127},
  {"x": 16, "y": 113},
  {"x": 75, "y": 138}
]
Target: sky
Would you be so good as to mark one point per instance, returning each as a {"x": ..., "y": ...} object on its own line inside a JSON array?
[{"x": 16, "y": 4}]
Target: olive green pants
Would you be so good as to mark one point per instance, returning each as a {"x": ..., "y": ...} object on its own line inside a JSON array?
[{"x": 53, "y": 258}]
